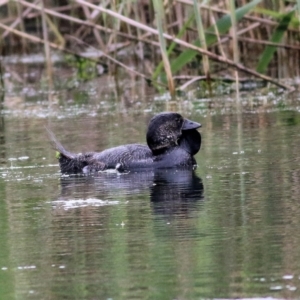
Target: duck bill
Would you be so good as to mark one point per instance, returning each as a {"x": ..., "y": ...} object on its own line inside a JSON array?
[{"x": 188, "y": 125}]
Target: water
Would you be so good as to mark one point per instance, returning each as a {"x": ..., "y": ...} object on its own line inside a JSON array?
[{"x": 228, "y": 230}]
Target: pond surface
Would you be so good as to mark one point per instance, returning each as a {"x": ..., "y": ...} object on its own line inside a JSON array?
[{"x": 231, "y": 229}]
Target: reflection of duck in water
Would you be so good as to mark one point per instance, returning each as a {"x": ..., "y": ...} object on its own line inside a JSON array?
[
  {"x": 171, "y": 191},
  {"x": 176, "y": 193},
  {"x": 172, "y": 142}
]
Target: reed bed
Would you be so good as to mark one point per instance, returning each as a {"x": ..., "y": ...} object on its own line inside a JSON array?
[{"x": 174, "y": 43}]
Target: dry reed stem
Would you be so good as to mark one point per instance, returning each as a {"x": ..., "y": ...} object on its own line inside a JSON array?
[
  {"x": 279, "y": 45},
  {"x": 71, "y": 19},
  {"x": 158, "y": 15},
  {"x": 59, "y": 47},
  {"x": 192, "y": 80},
  {"x": 246, "y": 17},
  {"x": 95, "y": 31},
  {"x": 202, "y": 39},
  {"x": 55, "y": 30},
  {"x": 219, "y": 43},
  {"x": 226, "y": 37},
  {"x": 90, "y": 24},
  {"x": 22, "y": 26},
  {"x": 1, "y": 77},
  {"x": 96, "y": 12},
  {"x": 190, "y": 46},
  {"x": 236, "y": 58},
  {"x": 242, "y": 31},
  {"x": 46, "y": 47},
  {"x": 18, "y": 20},
  {"x": 56, "y": 9},
  {"x": 119, "y": 63}
]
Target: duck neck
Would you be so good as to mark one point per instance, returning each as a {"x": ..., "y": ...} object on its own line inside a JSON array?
[{"x": 160, "y": 151}]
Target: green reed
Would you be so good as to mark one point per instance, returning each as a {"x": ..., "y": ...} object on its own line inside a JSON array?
[{"x": 170, "y": 39}]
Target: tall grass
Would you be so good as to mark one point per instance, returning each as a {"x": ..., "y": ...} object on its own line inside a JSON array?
[
  {"x": 184, "y": 39},
  {"x": 201, "y": 33},
  {"x": 46, "y": 47},
  {"x": 2, "y": 88},
  {"x": 236, "y": 56},
  {"x": 158, "y": 8}
]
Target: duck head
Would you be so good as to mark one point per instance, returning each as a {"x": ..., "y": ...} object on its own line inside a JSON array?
[{"x": 167, "y": 130}]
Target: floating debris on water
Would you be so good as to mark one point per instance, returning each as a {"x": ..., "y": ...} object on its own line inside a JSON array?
[
  {"x": 69, "y": 204},
  {"x": 276, "y": 288},
  {"x": 26, "y": 267},
  {"x": 287, "y": 277}
]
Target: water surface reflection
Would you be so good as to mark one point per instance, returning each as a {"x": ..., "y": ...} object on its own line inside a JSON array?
[
  {"x": 171, "y": 191},
  {"x": 156, "y": 235}
]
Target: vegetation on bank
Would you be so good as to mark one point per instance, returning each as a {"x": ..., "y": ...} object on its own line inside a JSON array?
[{"x": 170, "y": 43}]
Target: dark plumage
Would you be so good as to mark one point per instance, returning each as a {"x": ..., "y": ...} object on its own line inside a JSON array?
[{"x": 172, "y": 142}]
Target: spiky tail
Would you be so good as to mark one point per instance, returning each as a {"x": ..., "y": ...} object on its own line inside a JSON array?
[{"x": 69, "y": 163}]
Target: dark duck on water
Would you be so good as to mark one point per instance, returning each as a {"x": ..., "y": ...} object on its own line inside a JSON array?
[{"x": 172, "y": 142}]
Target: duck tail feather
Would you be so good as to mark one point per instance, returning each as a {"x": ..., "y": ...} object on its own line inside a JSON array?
[
  {"x": 69, "y": 163},
  {"x": 58, "y": 146}
]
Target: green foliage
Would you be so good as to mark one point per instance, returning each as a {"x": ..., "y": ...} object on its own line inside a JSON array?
[
  {"x": 278, "y": 15},
  {"x": 86, "y": 68},
  {"x": 118, "y": 27},
  {"x": 201, "y": 33},
  {"x": 277, "y": 36},
  {"x": 159, "y": 68},
  {"x": 223, "y": 25},
  {"x": 158, "y": 7}
]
